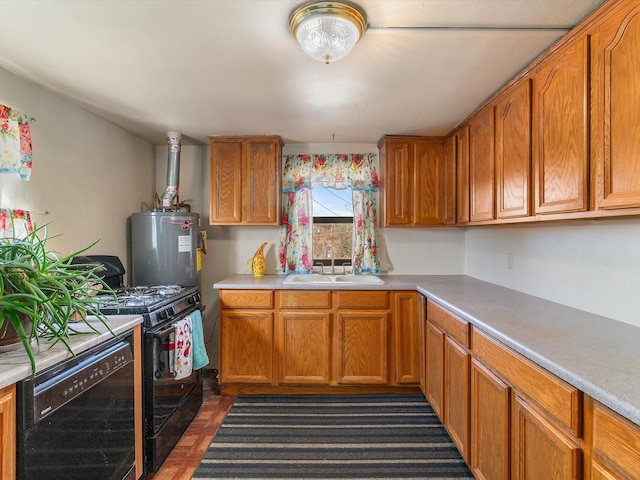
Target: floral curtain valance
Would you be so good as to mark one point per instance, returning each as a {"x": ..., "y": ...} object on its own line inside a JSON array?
[
  {"x": 331, "y": 170},
  {"x": 15, "y": 223},
  {"x": 15, "y": 142}
]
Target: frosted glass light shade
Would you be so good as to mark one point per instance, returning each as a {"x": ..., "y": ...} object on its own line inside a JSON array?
[{"x": 327, "y": 31}]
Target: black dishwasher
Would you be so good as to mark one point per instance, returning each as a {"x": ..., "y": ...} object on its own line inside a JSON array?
[{"x": 76, "y": 419}]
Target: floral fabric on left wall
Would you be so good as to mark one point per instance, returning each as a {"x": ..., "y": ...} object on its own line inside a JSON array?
[
  {"x": 15, "y": 142},
  {"x": 15, "y": 223}
]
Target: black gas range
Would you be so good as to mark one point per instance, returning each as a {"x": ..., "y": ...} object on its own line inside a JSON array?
[
  {"x": 156, "y": 303},
  {"x": 169, "y": 405}
]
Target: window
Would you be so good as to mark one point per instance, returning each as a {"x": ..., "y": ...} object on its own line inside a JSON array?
[{"x": 332, "y": 225}]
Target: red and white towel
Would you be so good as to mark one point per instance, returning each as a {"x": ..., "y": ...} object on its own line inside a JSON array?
[{"x": 183, "y": 353}]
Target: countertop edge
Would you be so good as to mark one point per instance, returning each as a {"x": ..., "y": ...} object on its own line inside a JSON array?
[
  {"x": 16, "y": 366},
  {"x": 524, "y": 323}
]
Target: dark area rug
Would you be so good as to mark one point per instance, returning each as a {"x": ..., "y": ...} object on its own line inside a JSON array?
[{"x": 331, "y": 437}]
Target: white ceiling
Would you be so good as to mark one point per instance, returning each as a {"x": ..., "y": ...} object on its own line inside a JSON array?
[{"x": 231, "y": 67}]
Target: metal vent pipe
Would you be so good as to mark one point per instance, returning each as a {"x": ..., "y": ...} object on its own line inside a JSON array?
[{"x": 174, "y": 139}]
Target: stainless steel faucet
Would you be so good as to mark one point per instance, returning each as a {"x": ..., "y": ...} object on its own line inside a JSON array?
[{"x": 333, "y": 260}]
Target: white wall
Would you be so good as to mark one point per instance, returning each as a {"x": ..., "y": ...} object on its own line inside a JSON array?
[
  {"x": 89, "y": 173},
  {"x": 590, "y": 265}
]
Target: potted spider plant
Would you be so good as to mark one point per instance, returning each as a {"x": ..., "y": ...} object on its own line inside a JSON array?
[{"x": 43, "y": 295}]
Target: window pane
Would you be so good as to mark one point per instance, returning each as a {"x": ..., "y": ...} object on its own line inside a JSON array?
[
  {"x": 329, "y": 202},
  {"x": 332, "y": 235},
  {"x": 332, "y": 224}
]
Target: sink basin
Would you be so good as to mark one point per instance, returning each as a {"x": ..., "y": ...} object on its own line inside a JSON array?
[{"x": 320, "y": 278}]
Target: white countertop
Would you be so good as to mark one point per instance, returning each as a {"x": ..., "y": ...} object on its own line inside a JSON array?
[
  {"x": 15, "y": 365},
  {"x": 598, "y": 355}
]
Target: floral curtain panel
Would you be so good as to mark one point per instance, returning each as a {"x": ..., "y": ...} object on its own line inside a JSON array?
[
  {"x": 303, "y": 172},
  {"x": 15, "y": 142},
  {"x": 15, "y": 223}
]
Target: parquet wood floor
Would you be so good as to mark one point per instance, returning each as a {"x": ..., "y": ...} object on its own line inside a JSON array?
[{"x": 185, "y": 457}]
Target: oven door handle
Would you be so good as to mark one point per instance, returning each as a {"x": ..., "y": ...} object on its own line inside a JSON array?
[{"x": 164, "y": 331}]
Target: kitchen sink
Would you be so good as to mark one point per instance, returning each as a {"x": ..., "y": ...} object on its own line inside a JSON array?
[{"x": 320, "y": 278}]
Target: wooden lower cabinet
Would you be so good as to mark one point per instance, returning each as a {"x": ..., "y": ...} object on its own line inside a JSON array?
[
  {"x": 539, "y": 450},
  {"x": 246, "y": 347},
  {"x": 246, "y": 337},
  {"x": 434, "y": 377},
  {"x": 524, "y": 421},
  {"x": 304, "y": 331},
  {"x": 362, "y": 348},
  {"x": 490, "y": 424},
  {"x": 305, "y": 348},
  {"x": 615, "y": 445},
  {"x": 406, "y": 342},
  {"x": 8, "y": 432},
  {"x": 319, "y": 338},
  {"x": 447, "y": 385},
  {"x": 456, "y": 395}
]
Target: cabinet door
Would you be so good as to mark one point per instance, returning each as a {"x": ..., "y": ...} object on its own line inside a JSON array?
[
  {"x": 406, "y": 342},
  {"x": 422, "y": 333},
  {"x": 539, "y": 450},
  {"x": 560, "y": 135},
  {"x": 490, "y": 425},
  {"x": 435, "y": 368},
  {"x": 456, "y": 395},
  {"x": 616, "y": 444},
  {"x": 600, "y": 472},
  {"x": 616, "y": 108},
  {"x": 261, "y": 180},
  {"x": 362, "y": 354},
  {"x": 429, "y": 183},
  {"x": 226, "y": 182},
  {"x": 462, "y": 173},
  {"x": 305, "y": 347},
  {"x": 246, "y": 347},
  {"x": 513, "y": 151},
  {"x": 482, "y": 166},
  {"x": 398, "y": 183},
  {"x": 449, "y": 196},
  {"x": 8, "y": 432}
]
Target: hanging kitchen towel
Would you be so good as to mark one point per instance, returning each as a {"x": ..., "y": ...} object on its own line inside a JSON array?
[
  {"x": 200, "y": 357},
  {"x": 183, "y": 353},
  {"x": 15, "y": 142}
]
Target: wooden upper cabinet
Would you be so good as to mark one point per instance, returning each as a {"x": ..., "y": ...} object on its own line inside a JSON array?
[
  {"x": 482, "y": 166},
  {"x": 615, "y": 142},
  {"x": 397, "y": 180},
  {"x": 513, "y": 151},
  {"x": 560, "y": 130},
  {"x": 429, "y": 183},
  {"x": 462, "y": 174},
  {"x": 245, "y": 182},
  {"x": 450, "y": 180},
  {"x": 413, "y": 179}
]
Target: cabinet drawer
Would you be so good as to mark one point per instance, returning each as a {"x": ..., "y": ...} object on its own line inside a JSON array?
[
  {"x": 305, "y": 299},
  {"x": 362, "y": 299},
  {"x": 455, "y": 327},
  {"x": 616, "y": 439},
  {"x": 557, "y": 397},
  {"x": 246, "y": 299}
]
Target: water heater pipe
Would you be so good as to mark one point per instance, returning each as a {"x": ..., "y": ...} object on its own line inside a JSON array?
[{"x": 174, "y": 139}]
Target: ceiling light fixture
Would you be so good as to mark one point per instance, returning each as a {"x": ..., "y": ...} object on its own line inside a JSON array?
[{"x": 328, "y": 31}]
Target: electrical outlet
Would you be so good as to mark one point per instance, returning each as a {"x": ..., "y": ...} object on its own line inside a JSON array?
[{"x": 510, "y": 261}]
